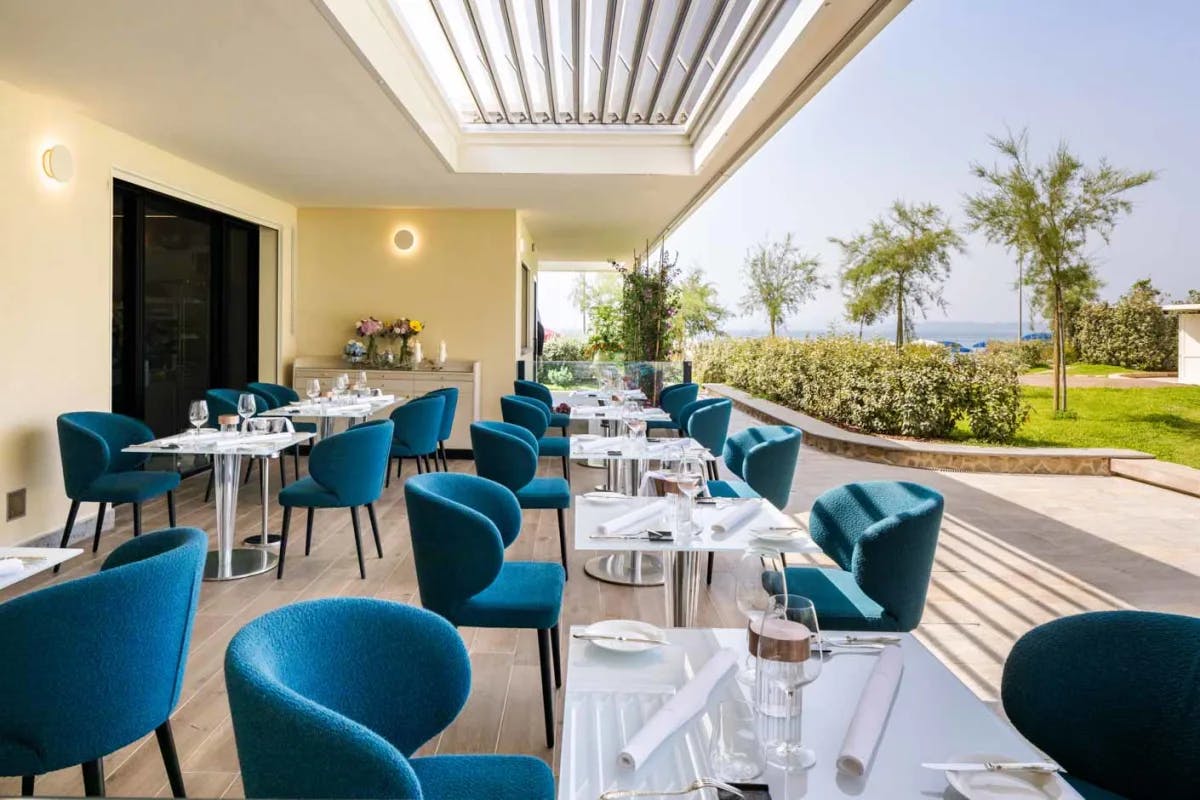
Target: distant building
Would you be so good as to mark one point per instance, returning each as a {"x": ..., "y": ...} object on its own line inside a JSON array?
[{"x": 1189, "y": 341}]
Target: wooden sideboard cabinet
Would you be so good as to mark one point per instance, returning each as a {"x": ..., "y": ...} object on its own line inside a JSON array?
[{"x": 403, "y": 383}]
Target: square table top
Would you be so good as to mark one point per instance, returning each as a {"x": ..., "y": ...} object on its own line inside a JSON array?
[
  {"x": 616, "y": 413},
  {"x": 623, "y": 448},
  {"x": 591, "y": 512},
  {"x": 583, "y": 395},
  {"x": 222, "y": 443},
  {"x": 361, "y": 407},
  {"x": 934, "y": 717},
  {"x": 35, "y": 560}
]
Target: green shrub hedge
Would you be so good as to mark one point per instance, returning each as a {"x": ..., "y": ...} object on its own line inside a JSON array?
[
  {"x": 1134, "y": 332},
  {"x": 919, "y": 391}
]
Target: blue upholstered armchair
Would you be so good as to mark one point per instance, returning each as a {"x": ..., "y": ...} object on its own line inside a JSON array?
[
  {"x": 533, "y": 417},
  {"x": 882, "y": 535},
  {"x": 330, "y": 699},
  {"x": 542, "y": 394},
  {"x": 96, "y": 471},
  {"x": 461, "y": 525},
  {"x": 508, "y": 454},
  {"x": 417, "y": 425},
  {"x": 93, "y": 664},
  {"x": 277, "y": 395},
  {"x": 450, "y": 395},
  {"x": 707, "y": 421},
  {"x": 346, "y": 470},
  {"x": 672, "y": 399},
  {"x": 1112, "y": 696}
]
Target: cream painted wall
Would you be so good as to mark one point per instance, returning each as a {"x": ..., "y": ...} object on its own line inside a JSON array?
[
  {"x": 56, "y": 268},
  {"x": 461, "y": 280},
  {"x": 1189, "y": 348}
]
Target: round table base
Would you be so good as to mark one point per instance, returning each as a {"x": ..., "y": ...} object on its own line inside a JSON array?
[
  {"x": 256, "y": 539},
  {"x": 624, "y": 569},
  {"x": 243, "y": 562}
]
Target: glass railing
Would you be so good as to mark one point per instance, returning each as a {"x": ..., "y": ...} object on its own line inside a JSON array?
[{"x": 649, "y": 376}]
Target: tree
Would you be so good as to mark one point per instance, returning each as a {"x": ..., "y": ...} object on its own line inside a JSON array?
[
  {"x": 1193, "y": 297},
  {"x": 649, "y": 303},
  {"x": 780, "y": 279},
  {"x": 899, "y": 264},
  {"x": 1046, "y": 214},
  {"x": 699, "y": 312},
  {"x": 594, "y": 289}
]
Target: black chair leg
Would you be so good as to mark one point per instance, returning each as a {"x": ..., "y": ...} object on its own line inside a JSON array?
[
  {"x": 93, "y": 778},
  {"x": 442, "y": 450},
  {"x": 708, "y": 577},
  {"x": 282, "y": 474},
  {"x": 375, "y": 528},
  {"x": 99, "y": 525},
  {"x": 283, "y": 534},
  {"x": 171, "y": 509},
  {"x": 547, "y": 691},
  {"x": 387, "y": 475},
  {"x": 66, "y": 537},
  {"x": 308, "y": 532},
  {"x": 419, "y": 469},
  {"x": 27, "y": 786},
  {"x": 296, "y": 460},
  {"x": 557, "y": 653},
  {"x": 249, "y": 466},
  {"x": 137, "y": 519},
  {"x": 399, "y": 467},
  {"x": 362, "y": 567},
  {"x": 566, "y": 468},
  {"x": 208, "y": 489},
  {"x": 166, "y": 743},
  {"x": 562, "y": 540}
]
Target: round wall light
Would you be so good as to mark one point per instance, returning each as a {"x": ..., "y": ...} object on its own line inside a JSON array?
[
  {"x": 405, "y": 240},
  {"x": 58, "y": 163}
]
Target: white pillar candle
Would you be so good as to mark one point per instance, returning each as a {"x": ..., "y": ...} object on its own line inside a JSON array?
[
  {"x": 442, "y": 352},
  {"x": 417, "y": 353}
]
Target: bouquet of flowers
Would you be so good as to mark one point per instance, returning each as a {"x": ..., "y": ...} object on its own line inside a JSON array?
[
  {"x": 404, "y": 329},
  {"x": 368, "y": 327},
  {"x": 354, "y": 351}
]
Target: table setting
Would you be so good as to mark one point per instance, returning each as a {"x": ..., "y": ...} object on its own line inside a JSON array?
[
  {"x": 343, "y": 401},
  {"x": 19, "y": 563}
]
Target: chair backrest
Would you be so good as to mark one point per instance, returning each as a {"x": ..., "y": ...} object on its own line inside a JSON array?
[
  {"x": 504, "y": 453},
  {"x": 95, "y": 663},
  {"x": 450, "y": 395},
  {"x": 330, "y": 697},
  {"x": 418, "y": 423},
  {"x": 707, "y": 421},
  {"x": 765, "y": 457},
  {"x": 353, "y": 464},
  {"x": 275, "y": 393},
  {"x": 90, "y": 444},
  {"x": 673, "y": 398},
  {"x": 225, "y": 401},
  {"x": 1113, "y": 697},
  {"x": 460, "y": 526},
  {"x": 538, "y": 391},
  {"x": 885, "y": 533},
  {"x": 530, "y": 414}
]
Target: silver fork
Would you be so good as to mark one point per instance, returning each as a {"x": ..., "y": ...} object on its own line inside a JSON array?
[{"x": 697, "y": 785}]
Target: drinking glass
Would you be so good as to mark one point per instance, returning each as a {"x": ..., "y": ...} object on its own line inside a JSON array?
[
  {"x": 787, "y": 636},
  {"x": 361, "y": 382},
  {"x": 314, "y": 389},
  {"x": 689, "y": 478},
  {"x": 735, "y": 753},
  {"x": 246, "y": 406},
  {"x": 198, "y": 415},
  {"x": 758, "y": 577}
]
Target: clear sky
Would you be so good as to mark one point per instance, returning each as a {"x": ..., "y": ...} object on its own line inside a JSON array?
[{"x": 907, "y": 116}]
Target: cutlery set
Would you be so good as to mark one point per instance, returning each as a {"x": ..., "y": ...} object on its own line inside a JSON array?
[{"x": 695, "y": 786}]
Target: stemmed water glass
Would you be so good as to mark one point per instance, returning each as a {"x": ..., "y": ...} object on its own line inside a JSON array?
[
  {"x": 197, "y": 415},
  {"x": 247, "y": 407},
  {"x": 341, "y": 385},
  {"x": 360, "y": 381},
  {"x": 689, "y": 478},
  {"x": 314, "y": 389},
  {"x": 788, "y": 645}
]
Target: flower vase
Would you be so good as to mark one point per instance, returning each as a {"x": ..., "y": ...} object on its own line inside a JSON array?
[
  {"x": 372, "y": 352},
  {"x": 404, "y": 359}
]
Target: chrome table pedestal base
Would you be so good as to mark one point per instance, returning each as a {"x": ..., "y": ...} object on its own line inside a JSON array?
[
  {"x": 626, "y": 569},
  {"x": 682, "y": 582},
  {"x": 227, "y": 562},
  {"x": 266, "y": 537},
  {"x": 243, "y": 562}
]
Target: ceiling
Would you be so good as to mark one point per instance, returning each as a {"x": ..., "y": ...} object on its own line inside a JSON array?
[{"x": 276, "y": 94}]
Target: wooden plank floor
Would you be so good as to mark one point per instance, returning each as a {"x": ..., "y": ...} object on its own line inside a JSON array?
[{"x": 994, "y": 579}]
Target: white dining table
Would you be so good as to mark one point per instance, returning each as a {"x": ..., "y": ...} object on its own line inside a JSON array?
[
  {"x": 227, "y": 450},
  {"x": 934, "y": 717},
  {"x": 681, "y": 562},
  {"x": 33, "y": 561},
  {"x": 586, "y": 396},
  {"x": 326, "y": 410}
]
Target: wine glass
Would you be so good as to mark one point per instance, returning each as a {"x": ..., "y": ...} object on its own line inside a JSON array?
[
  {"x": 247, "y": 407},
  {"x": 198, "y": 415},
  {"x": 758, "y": 577},
  {"x": 788, "y": 643},
  {"x": 689, "y": 478},
  {"x": 314, "y": 389},
  {"x": 361, "y": 382}
]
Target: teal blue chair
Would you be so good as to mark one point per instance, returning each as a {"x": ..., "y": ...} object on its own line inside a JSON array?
[
  {"x": 331, "y": 698},
  {"x": 533, "y": 417},
  {"x": 673, "y": 399},
  {"x": 541, "y": 393},
  {"x": 461, "y": 525},
  {"x": 417, "y": 425},
  {"x": 882, "y": 535},
  {"x": 508, "y": 454},
  {"x": 450, "y": 395},
  {"x": 277, "y": 396},
  {"x": 96, "y": 471},
  {"x": 707, "y": 421},
  {"x": 1114, "y": 698},
  {"x": 347, "y": 470},
  {"x": 94, "y": 664}
]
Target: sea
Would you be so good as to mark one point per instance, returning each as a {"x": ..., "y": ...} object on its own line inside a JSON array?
[{"x": 965, "y": 333}]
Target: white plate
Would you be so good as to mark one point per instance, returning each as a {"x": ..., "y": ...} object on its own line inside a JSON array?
[
  {"x": 1003, "y": 785},
  {"x": 624, "y": 627},
  {"x": 778, "y": 536}
]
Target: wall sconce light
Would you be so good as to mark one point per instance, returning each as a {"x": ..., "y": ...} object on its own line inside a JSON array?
[
  {"x": 405, "y": 240},
  {"x": 58, "y": 163}
]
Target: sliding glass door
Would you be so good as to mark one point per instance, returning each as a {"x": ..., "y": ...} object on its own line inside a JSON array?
[{"x": 185, "y": 305}]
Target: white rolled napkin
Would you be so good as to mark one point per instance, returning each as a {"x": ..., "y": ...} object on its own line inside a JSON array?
[
  {"x": 631, "y": 519},
  {"x": 594, "y": 445},
  {"x": 691, "y": 699},
  {"x": 737, "y": 514},
  {"x": 11, "y": 566},
  {"x": 866, "y": 726}
]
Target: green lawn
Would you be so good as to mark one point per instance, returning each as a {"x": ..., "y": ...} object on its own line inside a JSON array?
[
  {"x": 1164, "y": 422},
  {"x": 1087, "y": 369}
]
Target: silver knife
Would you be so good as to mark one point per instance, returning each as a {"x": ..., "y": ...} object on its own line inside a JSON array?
[
  {"x": 996, "y": 766},
  {"x": 591, "y": 637}
]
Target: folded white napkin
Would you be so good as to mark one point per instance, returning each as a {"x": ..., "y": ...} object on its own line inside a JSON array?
[
  {"x": 631, "y": 519},
  {"x": 691, "y": 699},
  {"x": 252, "y": 440},
  {"x": 11, "y": 566},
  {"x": 866, "y": 726},
  {"x": 353, "y": 408},
  {"x": 304, "y": 408},
  {"x": 737, "y": 514},
  {"x": 203, "y": 437},
  {"x": 593, "y": 445}
]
